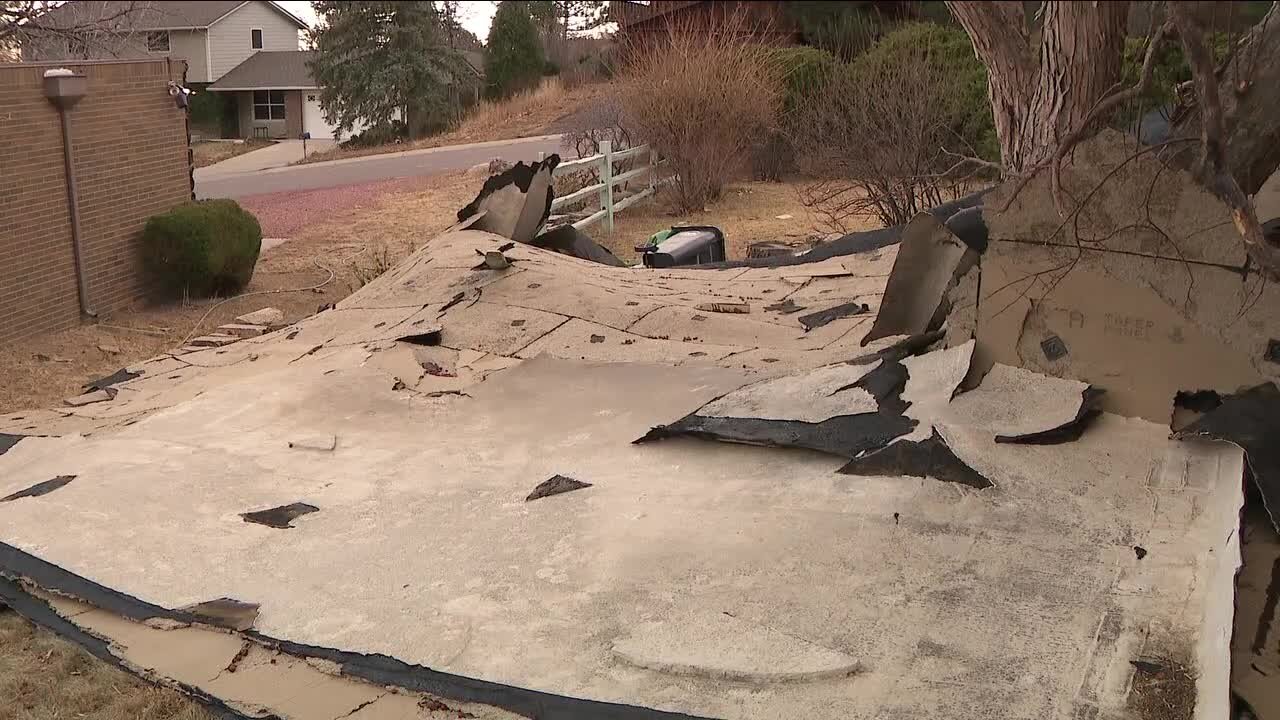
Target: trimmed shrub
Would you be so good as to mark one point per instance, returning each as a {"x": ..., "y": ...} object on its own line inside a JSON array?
[
  {"x": 804, "y": 71},
  {"x": 202, "y": 248},
  {"x": 876, "y": 137},
  {"x": 950, "y": 55}
]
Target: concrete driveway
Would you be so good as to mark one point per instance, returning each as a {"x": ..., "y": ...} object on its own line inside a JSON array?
[
  {"x": 217, "y": 181},
  {"x": 272, "y": 156}
]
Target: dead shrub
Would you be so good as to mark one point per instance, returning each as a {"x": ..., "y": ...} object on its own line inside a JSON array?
[
  {"x": 876, "y": 140},
  {"x": 371, "y": 264},
  {"x": 601, "y": 120},
  {"x": 701, "y": 97}
]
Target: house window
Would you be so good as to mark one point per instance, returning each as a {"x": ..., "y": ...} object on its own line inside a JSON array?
[
  {"x": 158, "y": 42},
  {"x": 268, "y": 104},
  {"x": 255, "y": 38}
]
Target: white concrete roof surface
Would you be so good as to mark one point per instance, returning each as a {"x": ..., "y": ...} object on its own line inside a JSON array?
[{"x": 694, "y": 577}]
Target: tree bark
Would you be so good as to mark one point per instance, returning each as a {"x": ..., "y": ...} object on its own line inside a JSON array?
[
  {"x": 1042, "y": 91},
  {"x": 1247, "y": 95}
]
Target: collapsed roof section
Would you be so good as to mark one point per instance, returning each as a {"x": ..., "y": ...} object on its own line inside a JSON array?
[{"x": 429, "y": 498}]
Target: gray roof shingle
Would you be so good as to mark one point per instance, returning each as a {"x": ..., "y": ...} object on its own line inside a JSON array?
[{"x": 269, "y": 69}]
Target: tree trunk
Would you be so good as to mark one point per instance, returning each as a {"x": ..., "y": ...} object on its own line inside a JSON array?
[
  {"x": 1048, "y": 94},
  {"x": 1043, "y": 89}
]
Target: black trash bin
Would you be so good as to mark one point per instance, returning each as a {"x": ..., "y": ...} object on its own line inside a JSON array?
[{"x": 694, "y": 245}]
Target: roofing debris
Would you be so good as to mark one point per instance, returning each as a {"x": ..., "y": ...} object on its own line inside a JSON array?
[
  {"x": 1255, "y": 644},
  {"x": 994, "y": 484},
  {"x": 7, "y": 441},
  {"x": 279, "y": 517},
  {"x": 224, "y": 613},
  {"x": 930, "y": 457},
  {"x": 843, "y": 310},
  {"x": 40, "y": 488},
  {"x": 930, "y": 261},
  {"x": 115, "y": 378},
  {"x": 1088, "y": 410},
  {"x": 514, "y": 203},
  {"x": 267, "y": 316},
  {"x": 1251, "y": 420},
  {"x": 555, "y": 485}
]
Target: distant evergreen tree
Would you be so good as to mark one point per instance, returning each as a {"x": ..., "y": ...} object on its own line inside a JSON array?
[
  {"x": 377, "y": 60},
  {"x": 513, "y": 57}
]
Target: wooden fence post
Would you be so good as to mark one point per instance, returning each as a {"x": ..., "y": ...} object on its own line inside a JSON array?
[
  {"x": 653, "y": 171},
  {"x": 606, "y": 177}
]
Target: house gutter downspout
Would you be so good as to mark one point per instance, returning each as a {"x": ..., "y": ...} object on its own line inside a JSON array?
[{"x": 64, "y": 89}]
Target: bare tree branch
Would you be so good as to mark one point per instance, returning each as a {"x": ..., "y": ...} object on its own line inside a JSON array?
[
  {"x": 1211, "y": 168},
  {"x": 86, "y": 29},
  {"x": 1248, "y": 91}
]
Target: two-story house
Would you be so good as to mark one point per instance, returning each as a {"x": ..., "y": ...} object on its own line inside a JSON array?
[{"x": 247, "y": 51}]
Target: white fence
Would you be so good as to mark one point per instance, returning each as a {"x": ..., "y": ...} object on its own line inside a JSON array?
[{"x": 604, "y": 190}]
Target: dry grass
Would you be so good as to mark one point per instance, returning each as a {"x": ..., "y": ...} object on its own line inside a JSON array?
[
  {"x": 490, "y": 117},
  {"x": 208, "y": 153},
  {"x": 43, "y": 677},
  {"x": 536, "y": 112},
  {"x": 44, "y": 369}
]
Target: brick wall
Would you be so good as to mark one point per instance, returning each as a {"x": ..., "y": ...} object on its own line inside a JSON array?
[{"x": 131, "y": 161}]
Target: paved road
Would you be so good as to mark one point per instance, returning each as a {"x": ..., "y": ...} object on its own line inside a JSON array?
[{"x": 369, "y": 169}]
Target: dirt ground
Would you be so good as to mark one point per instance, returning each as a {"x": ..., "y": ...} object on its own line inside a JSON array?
[
  {"x": 208, "y": 153},
  {"x": 545, "y": 111}
]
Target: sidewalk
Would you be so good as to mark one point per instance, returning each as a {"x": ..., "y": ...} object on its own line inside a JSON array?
[{"x": 277, "y": 155}]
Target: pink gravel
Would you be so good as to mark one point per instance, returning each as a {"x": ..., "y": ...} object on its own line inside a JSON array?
[{"x": 282, "y": 214}]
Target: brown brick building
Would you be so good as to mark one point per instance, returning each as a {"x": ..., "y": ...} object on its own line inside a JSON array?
[{"x": 130, "y": 149}]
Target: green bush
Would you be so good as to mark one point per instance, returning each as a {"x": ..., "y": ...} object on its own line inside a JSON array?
[
  {"x": 202, "y": 248},
  {"x": 951, "y": 53},
  {"x": 804, "y": 72},
  {"x": 843, "y": 29},
  {"x": 1170, "y": 70}
]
